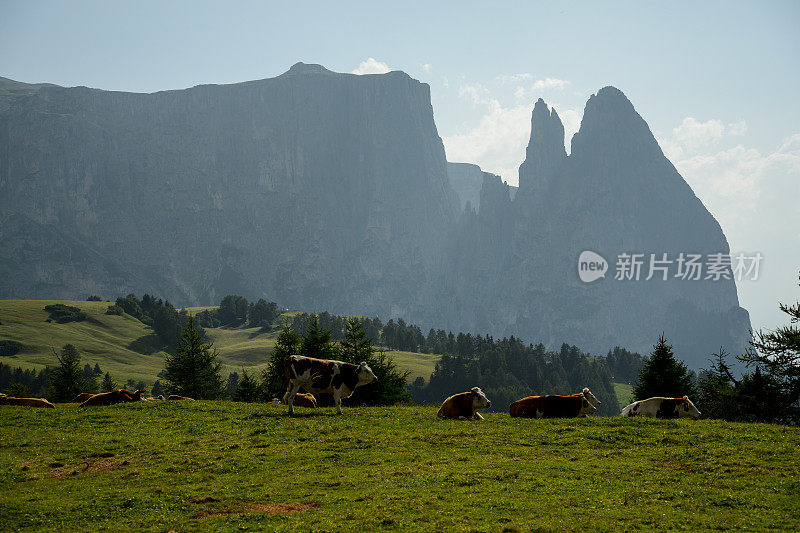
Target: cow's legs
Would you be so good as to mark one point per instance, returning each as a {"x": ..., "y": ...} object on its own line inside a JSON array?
[
  {"x": 293, "y": 388},
  {"x": 337, "y": 399}
]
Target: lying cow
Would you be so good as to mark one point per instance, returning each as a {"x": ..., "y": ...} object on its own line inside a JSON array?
[
  {"x": 26, "y": 402},
  {"x": 303, "y": 399},
  {"x": 321, "y": 376},
  {"x": 661, "y": 407},
  {"x": 155, "y": 398},
  {"x": 82, "y": 397},
  {"x": 552, "y": 406},
  {"x": 113, "y": 397},
  {"x": 177, "y": 397},
  {"x": 464, "y": 406}
]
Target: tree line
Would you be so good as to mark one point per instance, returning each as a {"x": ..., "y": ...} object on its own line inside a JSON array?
[{"x": 507, "y": 370}]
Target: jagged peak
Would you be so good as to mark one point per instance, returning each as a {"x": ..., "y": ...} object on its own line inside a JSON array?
[{"x": 609, "y": 117}]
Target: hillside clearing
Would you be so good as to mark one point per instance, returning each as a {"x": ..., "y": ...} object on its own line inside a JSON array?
[
  {"x": 195, "y": 466},
  {"x": 111, "y": 342}
]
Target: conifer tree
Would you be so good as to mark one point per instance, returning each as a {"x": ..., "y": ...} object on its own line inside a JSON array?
[
  {"x": 273, "y": 377},
  {"x": 108, "y": 383},
  {"x": 778, "y": 352},
  {"x": 67, "y": 380},
  {"x": 194, "y": 370},
  {"x": 663, "y": 375},
  {"x": 248, "y": 389},
  {"x": 317, "y": 341},
  {"x": 391, "y": 387}
]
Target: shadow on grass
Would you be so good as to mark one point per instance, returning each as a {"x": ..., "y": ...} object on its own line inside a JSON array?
[{"x": 146, "y": 344}]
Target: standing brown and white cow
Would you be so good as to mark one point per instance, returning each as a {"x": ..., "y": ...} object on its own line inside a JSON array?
[
  {"x": 321, "y": 376},
  {"x": 552, "y": 406},
  {"x": 464, "y": 406},
  {"x": 661, "y": 407}
]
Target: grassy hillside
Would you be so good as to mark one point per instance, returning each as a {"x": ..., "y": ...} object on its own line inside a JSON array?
[
  {"x": 111, "y": 341},
  {"x": 199, "y": 466}
]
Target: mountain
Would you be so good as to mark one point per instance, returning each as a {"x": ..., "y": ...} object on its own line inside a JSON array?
[
  {"x": 517, "y": 260},
  {"x": 467, "y": 180},
  {"x": 315, "y": 189},
  {"x": 323, "y": 190}
]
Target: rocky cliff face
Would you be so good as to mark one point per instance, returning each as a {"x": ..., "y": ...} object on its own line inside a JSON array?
[
  {"x": 317, "y": 189},
  {"x": 330, "y": 191},
  {"x": 615, "y": 193}
]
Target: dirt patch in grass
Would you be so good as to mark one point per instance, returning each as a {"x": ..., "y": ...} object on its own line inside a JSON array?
[
  {"x": 283, "y": 508},
  {"x": 96, "y": 462},
  {"x": 249, "y": 508}
]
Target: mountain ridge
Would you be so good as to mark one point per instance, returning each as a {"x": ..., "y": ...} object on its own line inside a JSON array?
[{"x": 220, "y": 189}]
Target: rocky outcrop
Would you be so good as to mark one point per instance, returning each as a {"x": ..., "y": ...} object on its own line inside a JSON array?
[{"x": 615, "y": 193}]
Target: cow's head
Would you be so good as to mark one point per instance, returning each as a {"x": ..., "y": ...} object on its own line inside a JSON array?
[
  {"x": 586, "y": 407},
  {"x": 591, "y": 397},
  {"x": 687, "y": 409},
  {"x": 479, "y": 399},
  {"x": 365, "y": 374}
]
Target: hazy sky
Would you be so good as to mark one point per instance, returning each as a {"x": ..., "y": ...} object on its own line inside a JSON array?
[{"x": 717, "y": 82}]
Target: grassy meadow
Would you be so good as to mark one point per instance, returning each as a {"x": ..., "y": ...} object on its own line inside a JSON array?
[
  {"x": 222, "y": 466},
  {"x": 113, "y": 341}
]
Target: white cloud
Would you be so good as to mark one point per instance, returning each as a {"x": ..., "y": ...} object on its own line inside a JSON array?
[
  {"x": 371, "y": 66},
  {"x": 754, "y": 198},
  {"x": 514, "y": 78},
  {"x": 445, "y": 82},
  {"x": 694, "y": 134},
  {"x": 737, "y": 128},
  {"x": 571, "y": 118},
  {"x": 427, "y": 67},
  {"x": 497, "y": 144},
  {"x": 539, "y": 87},
  {"x": 475, "y": 94},
  {"x": 549, "y": 83}
]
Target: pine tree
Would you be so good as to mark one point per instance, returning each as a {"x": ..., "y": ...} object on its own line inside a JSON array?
[
  {"x": 157, "y": 390},
  {"x": 248, "y": 389},
  {"x": 778, "y": 352},
  {"x": 317, "y": 341},
  {"x": 67, "y": 381},
  {"x": 108, "y": 383},
  {"x": 273, "y": 378},
  {"x": 663, "y": 375},
  {"x": 356, "y": 346},
  {"x": 391, "y": 387},
  {"x": 194, "y": 370}
]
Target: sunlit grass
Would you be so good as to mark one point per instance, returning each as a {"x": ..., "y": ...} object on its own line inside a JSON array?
[{"x": 198, "y": 466}]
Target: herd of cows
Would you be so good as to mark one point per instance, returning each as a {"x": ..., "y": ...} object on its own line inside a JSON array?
[{"x": 321, "y": 376}]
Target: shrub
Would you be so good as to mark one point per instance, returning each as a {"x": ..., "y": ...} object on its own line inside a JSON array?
[
  {"x": 65, "y": 313},
  {"x": 8, "y": 348}
]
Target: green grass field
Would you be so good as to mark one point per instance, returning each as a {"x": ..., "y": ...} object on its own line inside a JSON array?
[
  {"x": 107, "y": 340},
  {"x": 221, "y": 466}
]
